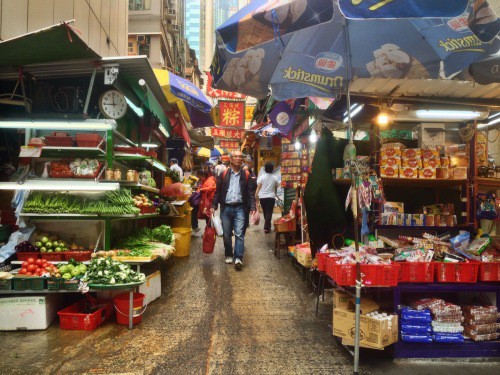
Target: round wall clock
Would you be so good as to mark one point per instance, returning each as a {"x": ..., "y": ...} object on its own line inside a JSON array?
[{"x": 112, "y": 104}]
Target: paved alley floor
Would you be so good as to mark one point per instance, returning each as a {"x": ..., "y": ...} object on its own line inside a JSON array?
[{"x": 212, "y": 319}]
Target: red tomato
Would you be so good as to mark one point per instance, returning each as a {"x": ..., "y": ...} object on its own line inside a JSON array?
[
  {"x": 29, "y": 273},
  {"x": 31, "y": 260},
  {"x": 38, "y": 262},
  {"x": 31, "y": 268},
  {"x": 25, "y": 264},
  {"x": 39, "y": 272},
  {"x": 22, "y": 271}
]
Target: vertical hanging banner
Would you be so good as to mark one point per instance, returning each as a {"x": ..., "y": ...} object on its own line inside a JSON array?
[{"x": 232, "y": 114}]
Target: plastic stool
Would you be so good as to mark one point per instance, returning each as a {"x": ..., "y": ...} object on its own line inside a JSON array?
[{"x": 282, "y": 241}]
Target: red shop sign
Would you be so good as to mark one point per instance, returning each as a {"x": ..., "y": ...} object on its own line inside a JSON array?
[
  {"x": 232, "y": 114},
  {"x": 230, "y": 144},
  {"x": 227, "y": 133}
]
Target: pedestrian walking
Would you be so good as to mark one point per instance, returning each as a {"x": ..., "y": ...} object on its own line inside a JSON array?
[
  {"x": 219, "y": 168},
  {"x": 174, "y": 166},
  {"x": 207, "y": 189},
  {"x": 235, "y": 193},
  {"x": 195, "y": 200},
  {"x": 267, "y": 186},
  {"x": 248, "y": 166}
]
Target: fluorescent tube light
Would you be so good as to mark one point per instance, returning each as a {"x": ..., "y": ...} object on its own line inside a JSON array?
[
  {"x": 447, "y": 114},
  {"x": 163, "y": 130},
  {"x": 313, "y": 138},
  {"x": 89, "y": 125},
  {"x": 145, "y": 144},
  {"x": 354, "y": 112},
  {"x": 483, "y": 126},
  {"x": 138, "y": 111},
  {"x": 55, "y": 185}
]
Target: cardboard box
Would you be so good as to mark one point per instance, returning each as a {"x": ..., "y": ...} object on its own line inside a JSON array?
[
  {"x": 349, "y": 342},
  {"x": 389, "y": 218},
  {"x": 398, "y": 207},
  {"x": 429, "y": 220},
  {"x": 366, "y": 305},
  {"x": 401, "y": 219},
  {"x": 411, "y": 153},
  {"x": 443, "y": 172},
  {"x": 434, "y": 209},
  {"x": 394, "y": 161},
  {"x": 303, "y": 256},
  {"x": 427, "y": 173},
  {"x": 431, "y": 162},
  {"x": 445, "y": 161},
  {"x": 389, "y": 171},
  {"x": 152, "y": 287},
  {"x": 373, "y": 332},
  {"x": 459, "y": 173},
  {"x": 448, "y": 209},
  {"x": 459, "y": 161},
  {"x": 430, "y": 153},
  {"x": 411, "y": 162},
  {"x": 417, "y": 220},
  {"x": 395, "y": 145},
  {"x": 408, "y": 172},
  {"x": 340, "y": 299},
  {"x": 28, "y": 312},
  {"x": 390, "y": 152}
]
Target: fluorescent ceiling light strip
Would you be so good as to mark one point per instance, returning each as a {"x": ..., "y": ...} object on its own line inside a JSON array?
[
  {"x": 351, "y": 108},
  {"x": 145, "y": 144},
  {"x": 138, "y": 111},
  {"x": 423, "y": 113},
  {"x": 48, "y": 185},
  {"x": 60, "y": 125},
  {"x": 354, "y": 112},
  {"x": 493, "y": 116},
  {"x": 482, "y": 126}
]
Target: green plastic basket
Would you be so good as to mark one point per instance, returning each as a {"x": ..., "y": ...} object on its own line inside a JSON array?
[
  {"x": 5, "y": 284},
  {"x": 28, "y": 283},
  {"x": 69, "y": 284},
  {"x": 54, "y": 283}
]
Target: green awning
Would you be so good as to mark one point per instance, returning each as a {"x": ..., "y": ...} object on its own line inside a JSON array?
[{"x": 55, "y": 43}]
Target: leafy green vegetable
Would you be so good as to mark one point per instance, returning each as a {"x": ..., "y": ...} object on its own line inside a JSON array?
[
  {"x": 141, "y": 239},
  {"x": 109, "y": 272}
]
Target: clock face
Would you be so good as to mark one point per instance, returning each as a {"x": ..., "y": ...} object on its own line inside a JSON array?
[{"x": 112, "y": 104}]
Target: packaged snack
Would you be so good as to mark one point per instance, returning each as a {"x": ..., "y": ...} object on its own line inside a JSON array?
[
  {"x": 390, "y": 152},
  {"x": 427, "y": 172},
  {"x": 479, "y": 310},
  {"x": 458, "y": 173},
  {"x": 448, "y": 337},
  {"x": 429, "y": 153},
  {"x": 431, "y": 162},
  {"x": 411, "y": 153},
  {"x": 429, "y": 220},
  {"x": 386, "y": 171},
  {"x": 394, "y": 207},
  {"x": 416, "y": 338},
  {"x": 443, "y": 172},
  {"x": 484, "y": 337},
  {"x": 445, "y": 161},
  {"x": 408, "y": 172},
  {"x": 459, "y": 161},
  {"x": 461, "y": 241},
  {"x": 411, "y": 162},
  {"x": 481, "y": 329},
  {"x": 447, "y": 327},
  {"x": 479, "y": 319},
  {"x": 394, "y": 161},
  {"x": 394, "y": 145}
]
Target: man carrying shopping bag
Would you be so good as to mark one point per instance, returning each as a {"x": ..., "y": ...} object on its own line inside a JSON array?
[{"x": 235, "y": 193}]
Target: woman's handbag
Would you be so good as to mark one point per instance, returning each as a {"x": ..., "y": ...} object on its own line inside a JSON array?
[
  {"x": 209, "y": 238},
  {"x": 195, "y": 198},
  {"x": 217, "y": 225}
]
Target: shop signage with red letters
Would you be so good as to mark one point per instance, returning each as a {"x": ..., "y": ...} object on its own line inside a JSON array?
[
  {"x": 232, "y": 114},
  {"x": 227, "y": 133}
]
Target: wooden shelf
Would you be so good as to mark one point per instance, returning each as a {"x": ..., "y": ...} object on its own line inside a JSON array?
[
  {"x": 422, "y": 182},
  {"x": 494, "y": 182}
]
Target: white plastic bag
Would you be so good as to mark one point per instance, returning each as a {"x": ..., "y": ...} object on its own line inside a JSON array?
[{"x": 217, "y": 224}]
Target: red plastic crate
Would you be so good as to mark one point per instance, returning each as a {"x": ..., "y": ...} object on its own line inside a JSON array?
[
  {"x": 72, "y": 317},
  {"x": 24, "y": 256},
  {"x": 53, "y": 256},
  {"x": 88, "y": 140},
  {"x": 321, "y": 257},
  {"x": 372, "y": 274},
  {"x": 416, "y": 272},
  {"x": 79, "y": 256},
  {"x": 489, "y": 271},
  {"x": 62, "y": 141},
  {"x": 330, "y": 266},
  {"x": 457, "y": 272}
]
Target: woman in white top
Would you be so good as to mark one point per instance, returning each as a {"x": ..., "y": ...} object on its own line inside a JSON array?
[{"x": 267, "y": 185}]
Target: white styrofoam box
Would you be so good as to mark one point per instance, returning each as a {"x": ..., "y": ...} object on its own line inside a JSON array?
[
  {"x": 28, "y": 312},
  {"x": 152, "y": 287},
  {"x": 431, "y": 138}
]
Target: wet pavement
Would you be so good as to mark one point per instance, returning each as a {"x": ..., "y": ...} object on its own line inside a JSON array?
[{"x": 212, "y": 319}]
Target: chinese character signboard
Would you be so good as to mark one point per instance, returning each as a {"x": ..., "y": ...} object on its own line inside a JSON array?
[
  {"x": 227, "y": 133},
  {"x": 249, "y": 113},
  {"x": 232, "y": 114},
  {"x": 230, "y": 145},
  {"x": 214, "y": 93}
]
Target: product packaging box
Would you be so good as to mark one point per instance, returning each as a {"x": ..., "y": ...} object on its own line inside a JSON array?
[
  {"x": 152, "y": 287},
  {"x": 429, "y": 220},
  {"x": 401, "y": 219},
  {"x": 430, "y": 153},
  {"x": 340, "y": 299},
  {"x": 408, "y": 220},
  {"x": 417, "y": 220},
  {"x": 373, "y": 332},
  {"x": 458, "y": 173},
  {"x": 448, "y": 209},
  {"x": 427, "y": 173},
  {"x": 411, "y": 153},
  {"x": 390, "y": 152},
  {"x": 433, "y": 209},
  {"x": 389, "y": 171},
  {"x": 443, "y": 172},
  {"x": 395, "y": 145},
  {"x": 394, "y": 207},
  {"x": 431, "y": 162},
  {"x": 408, "y": 172},
  {"x": 28, "y": 312},
  {"x": 411, "y": 162},
  {"x": 445, "y": 161},
  {"x": 459, "y": 161},
  {"x": 389, "y": 218},
  {"x": 303, "y": 256},
  {"x": 394, "y": 161}
]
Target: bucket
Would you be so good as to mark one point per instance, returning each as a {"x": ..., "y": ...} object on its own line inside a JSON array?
[
  {"x": 183, "y": 221},
  {"x": 122, "y": 308},
  {"x": 182, "y": 241}
]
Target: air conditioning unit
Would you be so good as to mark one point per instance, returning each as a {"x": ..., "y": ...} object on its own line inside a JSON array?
[
  {"x": 173, "y": 28},
  {"x": 141, "y": 38},
  {"x": 171, "y": 14}
]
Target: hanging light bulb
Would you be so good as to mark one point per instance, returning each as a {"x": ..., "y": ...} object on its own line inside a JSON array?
[
  {"x": 313, "y": 138},
  {"x": 383, "y": 117},
  {"x": 297, "y": 145}
]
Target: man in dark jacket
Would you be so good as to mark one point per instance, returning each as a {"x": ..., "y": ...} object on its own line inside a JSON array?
[{"x": 236, "y": 194}]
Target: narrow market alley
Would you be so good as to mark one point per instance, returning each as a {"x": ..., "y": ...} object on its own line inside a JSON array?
[{"x": 212, "y": 319}]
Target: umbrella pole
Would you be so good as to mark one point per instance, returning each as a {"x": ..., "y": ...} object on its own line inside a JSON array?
[{"x": 350, "y": 154}]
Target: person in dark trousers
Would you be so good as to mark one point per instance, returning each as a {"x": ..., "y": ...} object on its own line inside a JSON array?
[
  {"x": 267, "y": 186},
  {"x": 235, "y": 192},
  {"x": 248, "y": 166}
]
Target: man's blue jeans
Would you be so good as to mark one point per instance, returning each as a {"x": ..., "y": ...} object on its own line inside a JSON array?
[{"x": 233, "y": 218}]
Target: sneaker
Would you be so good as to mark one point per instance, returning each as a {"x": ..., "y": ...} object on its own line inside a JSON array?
[
  {"x": 229, "y": 260},
  {"x": 238, "y": 265}
]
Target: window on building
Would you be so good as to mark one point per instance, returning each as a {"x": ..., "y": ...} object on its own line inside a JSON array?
[
  {"x": 143, "y": 43},
  {"x": 139, "y": 4}
]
